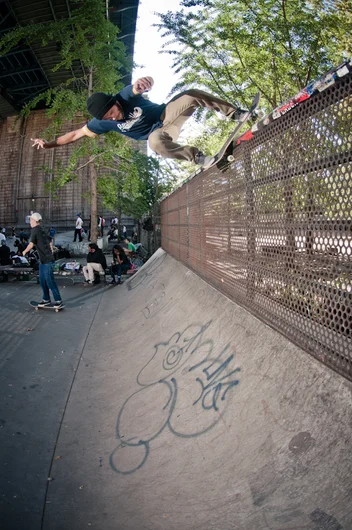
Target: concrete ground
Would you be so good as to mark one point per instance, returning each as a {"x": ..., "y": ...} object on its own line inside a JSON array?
[{"x": 161, "y": 404}]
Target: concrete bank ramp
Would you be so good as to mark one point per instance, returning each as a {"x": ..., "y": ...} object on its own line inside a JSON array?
[{"x": 188, "y": 413}]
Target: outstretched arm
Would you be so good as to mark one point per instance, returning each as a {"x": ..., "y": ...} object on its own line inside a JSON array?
[
  {"x": 142, "y": 85},
  {"x": 67, "y": 138}
]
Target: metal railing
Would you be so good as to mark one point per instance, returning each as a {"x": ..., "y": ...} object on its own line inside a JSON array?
[{"x": 273, "y": 228}]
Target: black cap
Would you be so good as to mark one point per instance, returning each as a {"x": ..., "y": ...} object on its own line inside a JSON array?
[{"x": 99, "y": 103}]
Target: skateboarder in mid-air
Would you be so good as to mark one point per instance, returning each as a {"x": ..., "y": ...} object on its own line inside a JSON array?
[
  {"x": 132, "y": 115},
  {"x": 40, "y": 239}
]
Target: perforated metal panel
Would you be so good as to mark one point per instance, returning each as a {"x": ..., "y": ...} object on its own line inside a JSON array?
[{"x": 272, "y": 229}]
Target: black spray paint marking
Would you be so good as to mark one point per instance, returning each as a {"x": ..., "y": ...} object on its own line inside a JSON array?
[{"x": 188, "y": 402}]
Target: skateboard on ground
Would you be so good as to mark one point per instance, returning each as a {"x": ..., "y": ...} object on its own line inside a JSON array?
[
  {"x": 51, "y": 306},
  {"x": 231, "y": 139}
]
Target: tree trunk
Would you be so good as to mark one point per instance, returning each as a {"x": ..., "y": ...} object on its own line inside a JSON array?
[
  {"x": 93, "y": 180},
  {"x": 119, "y": 228},
  {"x": 93, "y": 203}
]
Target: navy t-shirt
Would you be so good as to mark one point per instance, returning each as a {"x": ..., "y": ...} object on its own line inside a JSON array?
[{"x": 141, "y": 117}]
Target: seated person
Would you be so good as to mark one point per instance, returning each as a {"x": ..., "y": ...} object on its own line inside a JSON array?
[
  {"x": 20, "y": 246},
  {"x": 96, "y": 261},
  {"x": 5, "y": 258},
  {"x": 120, "y": 264},
  {"x": 24, "y": 241},
  {"x": 23, "y": 236},
  {"x": 113, "y": 233},
  {"x": 130, "y": 246},
  {"x": 32, "y": 254}
]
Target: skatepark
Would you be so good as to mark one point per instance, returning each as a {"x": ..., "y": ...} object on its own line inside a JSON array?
[
  {"x": 162, "y": 404},
  {"x": 212, "y": 389}
]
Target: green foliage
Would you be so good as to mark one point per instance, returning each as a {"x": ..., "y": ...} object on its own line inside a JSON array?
[
  {"x": 135, "y": 185},
  {"x": 234, "y": 48},
  {"x": 338, "y": 14}
]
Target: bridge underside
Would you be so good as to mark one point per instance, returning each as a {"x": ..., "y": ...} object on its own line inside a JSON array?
[{"x": 26, "y": 71}]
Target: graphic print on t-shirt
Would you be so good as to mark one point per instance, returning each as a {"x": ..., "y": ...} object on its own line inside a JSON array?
[{"x": 134, "y": 118}]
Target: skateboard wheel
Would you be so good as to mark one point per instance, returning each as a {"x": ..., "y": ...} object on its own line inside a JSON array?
[
  {"x": 56, "y": 310},
  {"x": 37, "y": 308},
  {"x": 230, "y": 158}
]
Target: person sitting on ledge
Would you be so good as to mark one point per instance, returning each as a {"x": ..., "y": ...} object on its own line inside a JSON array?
[
  {"x": 130, "y": 246},
  {"x": 96, "y": 262},
  {"x": 5, "y": 258},
  {"x": 120, "y": 264}
]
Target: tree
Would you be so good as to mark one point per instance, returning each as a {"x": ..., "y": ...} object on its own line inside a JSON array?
[
  {"x": 135, "y": 185},
  {"x": 236, "y": 47},
  {"x": 89, "y": 37}
]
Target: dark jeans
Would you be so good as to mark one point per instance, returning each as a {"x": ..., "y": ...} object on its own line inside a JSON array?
[
  {"x": 119, "y": 269},
  {"x": 47, "y": 281},
  {"x": 78, "y": 232}
]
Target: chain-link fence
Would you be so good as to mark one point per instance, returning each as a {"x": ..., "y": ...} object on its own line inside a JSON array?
[{"x": 272, "y": 229}]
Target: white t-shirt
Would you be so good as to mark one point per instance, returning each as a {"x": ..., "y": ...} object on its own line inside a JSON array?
[
  {"x": 2, "y": 237},
  {"x": 79, "y": 223}
]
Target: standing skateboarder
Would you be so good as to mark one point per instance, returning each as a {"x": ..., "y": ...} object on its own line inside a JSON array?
[
  {"x": 132, "y": 115},
  {"x": 40, "y": 239}
]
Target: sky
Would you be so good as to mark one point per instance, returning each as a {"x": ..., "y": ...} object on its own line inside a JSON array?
[{"x": 148, "y": 42}]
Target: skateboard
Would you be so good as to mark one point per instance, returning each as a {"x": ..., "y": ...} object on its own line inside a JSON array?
[
  {"x": 36, "y": 306},
  {"x": 232, "y": 138}
]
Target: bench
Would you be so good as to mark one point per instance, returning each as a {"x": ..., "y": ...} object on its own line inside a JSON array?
[{"x": 22, "y": 273}]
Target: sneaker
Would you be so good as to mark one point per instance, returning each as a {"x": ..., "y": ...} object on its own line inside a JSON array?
[
  {"x": 203, "y": 160},
  {"x": 88, "y": 282},
  {"x": 58, "y": 304},
  {"x": 44, "y": 303},
  {"x": 119, "y": 282},
  {"x": 113, "y": 282},
  {"x": 240, "y": 114}
]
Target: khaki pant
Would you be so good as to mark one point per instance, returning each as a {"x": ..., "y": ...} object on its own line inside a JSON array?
[
  {"x": 163, "y": 141},
  {"x": 88, "y": 270}
]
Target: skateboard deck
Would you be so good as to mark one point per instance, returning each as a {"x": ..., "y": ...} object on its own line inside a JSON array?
[
  {"x": 232, "y": 138},
  {"x": 51, "y": 306}
]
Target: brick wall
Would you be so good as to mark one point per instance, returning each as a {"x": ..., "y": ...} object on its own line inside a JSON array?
[{"x": 22, "y": 182}]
